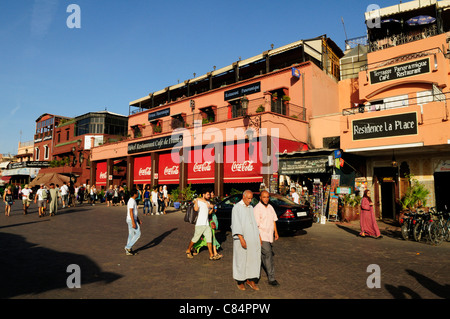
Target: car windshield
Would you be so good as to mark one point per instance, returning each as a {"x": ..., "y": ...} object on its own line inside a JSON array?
[{"x": 277, "y": 200}]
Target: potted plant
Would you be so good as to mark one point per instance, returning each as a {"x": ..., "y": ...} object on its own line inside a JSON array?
[
  {"x": 175, "y": 194},
  {"x": 157, "y": 129},
  {"x": 415, "y": 196},
  {"x": 260, "y": 109},
  {"x": 286, "y": 99}
]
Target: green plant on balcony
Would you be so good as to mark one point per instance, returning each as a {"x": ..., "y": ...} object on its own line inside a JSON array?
[
  {"x": 415, "y": 196},
  {"x": 157, "y": 129},
  {"x": 260, "y": 109},
  {"x": 294, "y": 116}
]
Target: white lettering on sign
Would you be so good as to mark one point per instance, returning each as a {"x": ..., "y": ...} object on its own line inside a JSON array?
[
  {"x": 145, "y": 171},
  {"x": 102, "y": 175},
  {"x": 202, "y": 167},
  {"x": 246, "y": 166},
  {"x": 171, "y": 170}
]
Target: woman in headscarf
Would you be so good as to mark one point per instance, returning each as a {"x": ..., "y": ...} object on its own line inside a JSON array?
[{"x": 369, "y": 226}]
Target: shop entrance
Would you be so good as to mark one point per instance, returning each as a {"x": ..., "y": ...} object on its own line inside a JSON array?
[
  {"x": 442, "y": 190},
  {"x": 385, "y": 178}
]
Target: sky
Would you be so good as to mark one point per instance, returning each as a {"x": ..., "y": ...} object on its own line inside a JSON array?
[{"x": 124, "y": 50}]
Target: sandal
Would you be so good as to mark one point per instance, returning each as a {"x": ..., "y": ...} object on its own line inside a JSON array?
[
  {"x": 214, "y": 258},
  {"x": 189, "y": 255},
  {"x": 218, "y": 256}
]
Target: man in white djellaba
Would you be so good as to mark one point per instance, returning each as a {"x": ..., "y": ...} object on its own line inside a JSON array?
[{"x": 246, "y": 243}]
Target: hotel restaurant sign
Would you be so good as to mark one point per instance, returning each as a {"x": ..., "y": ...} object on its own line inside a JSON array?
[
  {"x": 400, "y": 71},
  {"x": 385, "y": 126},
  {"x": 154, "y": 144}
]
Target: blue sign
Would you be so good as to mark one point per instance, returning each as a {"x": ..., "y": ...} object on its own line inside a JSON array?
[
  {"x": 158, "y": 114},
  {"x": 244, "y": 90},
  {"x": 296, "y": 73}
]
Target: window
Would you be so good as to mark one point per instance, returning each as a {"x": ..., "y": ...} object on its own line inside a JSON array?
[
  {"x": 46, "y": 152},
  {"x": 67, "y": 135},
  {"x": 36, "y": 151}
]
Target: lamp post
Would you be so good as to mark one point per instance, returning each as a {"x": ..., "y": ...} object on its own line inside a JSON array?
[{"x": 244, "y": 105}]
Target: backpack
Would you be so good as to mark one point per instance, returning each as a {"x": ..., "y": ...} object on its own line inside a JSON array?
[
  {"x": 191, "y": 214},
  {"x": 44, "y": 194}
]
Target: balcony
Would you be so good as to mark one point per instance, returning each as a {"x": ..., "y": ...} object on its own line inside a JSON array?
[{"x": 211, "y": 115}]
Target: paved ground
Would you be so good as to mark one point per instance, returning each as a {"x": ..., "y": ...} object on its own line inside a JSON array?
[{"x": 324, "y": 262}]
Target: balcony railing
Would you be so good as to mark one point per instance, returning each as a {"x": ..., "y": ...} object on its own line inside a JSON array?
[
  {"x": 421, "y": 98},
  {"x": 255, "y": 107},
  {"x": 402, "y": 38}
]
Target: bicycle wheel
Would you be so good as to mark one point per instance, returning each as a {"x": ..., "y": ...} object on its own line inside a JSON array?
[
  {"x": 405, "y": 231},
  {"x": 436, "y": 233},
  {"x": 417, "y": 231}
]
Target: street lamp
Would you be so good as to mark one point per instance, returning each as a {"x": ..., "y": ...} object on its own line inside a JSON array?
[{"x": 244, "y": 104}]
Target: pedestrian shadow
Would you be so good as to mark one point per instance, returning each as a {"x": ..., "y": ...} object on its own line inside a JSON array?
[
  {"x": 156, "y": 241},
  {"x": 442, "y": 291},
  {"x": 402, "y": 292},
  {"x": 21, "y": 224},
  {"x": 30, "y": 269},
  {"x": 348, "y": 229}
]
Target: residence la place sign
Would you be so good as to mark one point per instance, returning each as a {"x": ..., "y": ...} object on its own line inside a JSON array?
[{"x": 385, "y": 126}]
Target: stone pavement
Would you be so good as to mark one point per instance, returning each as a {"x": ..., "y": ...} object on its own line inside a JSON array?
[{"x": 323, "y": 262}]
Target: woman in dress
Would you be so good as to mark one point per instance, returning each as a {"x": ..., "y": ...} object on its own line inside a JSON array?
[{"x": 369, "y": 226}]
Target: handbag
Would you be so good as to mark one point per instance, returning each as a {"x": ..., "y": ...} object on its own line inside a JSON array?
[{"x": 191, "y": 215}]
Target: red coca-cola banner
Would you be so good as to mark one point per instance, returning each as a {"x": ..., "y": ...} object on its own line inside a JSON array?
[
  {"x": 169, "y": 170},
  {"x": 143, "y": 170},
  {"x": 201, "y": 166},
  {"x": 242, "y": 163},
  {"x": 101, "y": 174}
]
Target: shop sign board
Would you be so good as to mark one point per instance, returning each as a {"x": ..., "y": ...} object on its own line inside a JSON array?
[
  {"x": 158, "y": 114},
  {"x": 385, "y": 126},
  {"x": 312, "y": 165},
  {"x": 400, "y": 71},
  {"x": 241, "y": 91},
  {"x": 154, "y": 144}
]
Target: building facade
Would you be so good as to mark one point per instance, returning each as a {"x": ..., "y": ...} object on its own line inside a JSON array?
[
  {"x": 395, "y": 113},
  {"x": 225, "y": 128}
]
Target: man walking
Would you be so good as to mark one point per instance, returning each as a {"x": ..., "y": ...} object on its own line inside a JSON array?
[
  {"x": 54, "y": 195},
  {"x": 65, "y": 195},
  {"x": 26, "y": 200},
  {"x": 133, "y": 221},
  {"x": 246, "y": 243},
  {"x": 42, "y": 199},
  {"x": 202, "y": 227},
  {"x": 266, "y": 218}
]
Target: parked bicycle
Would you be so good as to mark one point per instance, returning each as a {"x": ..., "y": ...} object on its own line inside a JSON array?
[
  {"x": 422, "y": 225},
  {"x": 408, "y": 222},
  {"x": 439, "y": 229}
]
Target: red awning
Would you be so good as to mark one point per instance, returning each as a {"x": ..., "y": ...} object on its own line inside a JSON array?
[
  {"x": 242, "y": 163},
  {"x": 101, "y": 174},
  {"x": 169, "y": 168},
  {"x": 201, "y": 166},
  {"x": 143, "y": 170},
  {"x": 6, "y": 178}
]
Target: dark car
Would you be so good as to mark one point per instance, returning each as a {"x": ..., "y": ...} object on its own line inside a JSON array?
[{"x": 291, "y": 216}]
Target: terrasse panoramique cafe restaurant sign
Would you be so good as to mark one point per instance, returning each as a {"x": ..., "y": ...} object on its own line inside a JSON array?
[
  {"x": 400, "y": 71},
  {"x": 385, "y": 126}
]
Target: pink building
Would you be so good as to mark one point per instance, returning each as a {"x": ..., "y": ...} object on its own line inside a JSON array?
[{"x": 234, "y": 120}]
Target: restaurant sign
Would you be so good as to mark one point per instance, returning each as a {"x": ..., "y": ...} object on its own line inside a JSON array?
[
  {"x": 385, "y": 126},
  {"x": 311, "y": 165},
  {"x": 241, "y": 91},
  {"x": 158, "y": 114},
  {"x": 154, "y": 144},
  {"x": 400, "y": 71}
]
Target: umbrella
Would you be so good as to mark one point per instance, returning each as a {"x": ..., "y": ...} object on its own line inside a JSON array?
[
  {"x": 421, "y": 20},
  {"x": 48, "y": 178},
  {"x": 390, "y": 21}
]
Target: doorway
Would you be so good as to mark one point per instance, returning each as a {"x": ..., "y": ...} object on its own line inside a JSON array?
[
  {"x": 442, "y": 190},
  {"x": 385, "y": 194}
]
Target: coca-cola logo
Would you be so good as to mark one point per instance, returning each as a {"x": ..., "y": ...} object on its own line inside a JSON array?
[
  {"x": 102, "y": 175},
  {"x": 247, "y": 166},
  {"x": 171, "y": 170},
  {"x": 145, "y": 171},
  {"x": 202, "y": 167}
]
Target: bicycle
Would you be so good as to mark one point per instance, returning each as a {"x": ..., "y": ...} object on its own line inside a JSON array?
[
  {"x": 440, "y": 228},
  {"x": 407, "y": 223},
  {"x": 421, "y": 227}
]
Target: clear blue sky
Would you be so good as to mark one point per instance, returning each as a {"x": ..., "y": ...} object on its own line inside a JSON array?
[{"x": 126, "y": 49}]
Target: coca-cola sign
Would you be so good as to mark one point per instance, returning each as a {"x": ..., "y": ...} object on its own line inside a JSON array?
[
  {"x": 171, "y": 170},
  {"x": 102, "y": 175},
  {"x": 246, "y": 166},
  {"x": 202, "y": 167},
  {"x": 145, "y": 171}
]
